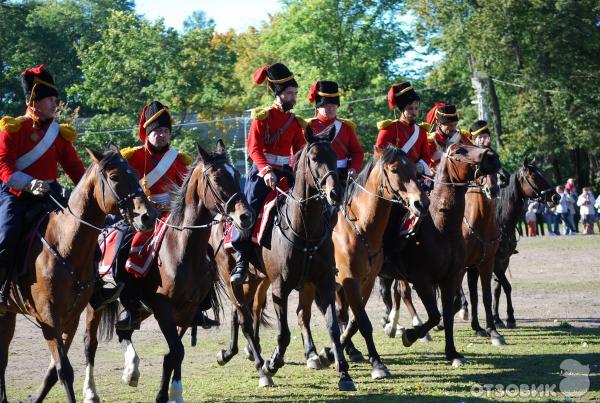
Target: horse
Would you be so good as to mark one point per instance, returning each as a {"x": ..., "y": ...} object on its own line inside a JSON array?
[
  {"x": 390, "y": 177},
  {"x": 527, "y": 183},
  {"x": 435, "y": 256},
  {"x": 301, "y": 253},
  {"x": 59, "y": 270},
  {"x": 183, "y": 277}
]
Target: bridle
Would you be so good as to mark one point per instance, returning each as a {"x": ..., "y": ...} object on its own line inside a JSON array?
[
  {"x": 222, "y": 206},
  {"x": 318, "y": 182},
  {"x": 539, "y": 195},
  {"x": 450, "y": 159}
]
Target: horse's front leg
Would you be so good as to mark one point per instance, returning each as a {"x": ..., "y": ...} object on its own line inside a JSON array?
[
  {"x": 90, "y": 344},
  {"x": 385, "y": 292},
  {"x": 280, "y": 303},
  {"x": 325, "y": 299},
  {"x": 486, "y": 291},
  {"x": 472, "y": 277},
  {"x": 448, "y": 290},
  {"x": 7, "y": 331},
  {"x": 394, "y": 312},
  {"x": 131, "y": 363},
  {"x": 163, "y": 312},
  {"x": 224, "y": 356},
  {"x": 305, "y": 300}
]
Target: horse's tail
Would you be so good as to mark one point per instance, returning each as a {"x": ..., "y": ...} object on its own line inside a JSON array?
[
  {"x": 107, "y": 323},
  {"x": 217, "y": 289},
  {"x": 265, "y": 318}
]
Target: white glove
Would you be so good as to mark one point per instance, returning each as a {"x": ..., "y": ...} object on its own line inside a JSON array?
[
  {"x": 423, "y": 167},
  {"x": 270, "y": 179},
  {"x": 37, "y": 187}
]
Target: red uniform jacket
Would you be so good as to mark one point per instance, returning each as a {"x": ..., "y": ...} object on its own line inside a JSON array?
[
  {"x": 19, "y": 137},
  {"x": 397, "y": 133},
  {"x": 144, "y": 161},
  {"x": 345, "y": 143},
  {"x": 266, "y": 123}
]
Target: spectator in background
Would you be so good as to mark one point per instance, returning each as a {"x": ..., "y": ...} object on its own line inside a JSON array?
[
  {"x": 597, "y": 206},
  {"x": 549, "y": 218},
  {"x": 562, "y": 211},
  {"x": 539, "y": 209},
  {"x": 572, "y": 206},
  {"x": 531, "y": 220},
  {"x": 586, "y": 203}
]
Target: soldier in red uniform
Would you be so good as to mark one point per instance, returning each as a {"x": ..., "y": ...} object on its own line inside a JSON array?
[
  {"x": 31, "y": 147},
  {"x": 159, "y": 166},
  {"x": 350, "y": 154},
  {"x": 480, "y": 134},
  {"x": 275, "y": 136},
  {"x": 445, "y": 120},
  {"x": 404, "y": 132}
]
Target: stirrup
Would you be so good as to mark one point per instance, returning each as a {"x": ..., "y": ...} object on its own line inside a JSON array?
[{"x": 129, "y": 322}]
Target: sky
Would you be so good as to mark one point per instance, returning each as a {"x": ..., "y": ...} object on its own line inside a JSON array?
[{"x": 229, "y": 14}]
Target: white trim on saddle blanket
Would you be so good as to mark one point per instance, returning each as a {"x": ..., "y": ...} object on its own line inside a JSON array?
[
  {"x": 141, "y": 258},
  {"x": 109, "y": 244},
  {"x": 409, "y": 225}
]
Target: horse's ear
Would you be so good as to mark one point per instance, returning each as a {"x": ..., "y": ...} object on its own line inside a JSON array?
[
  {"x": 203, "y": 155},
  {"x": 308, "y": 134},
  {"x": 220, "y": 147},
  {"x": 532, "y": 161},
  {"x": 525, "y": 162},
  {"x": 112, "y": 147},
  {"x": 95, "y": 155}
]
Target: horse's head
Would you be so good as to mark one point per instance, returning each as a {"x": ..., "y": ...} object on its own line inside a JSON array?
[
  {"x": 320, "y": 165},
  {"x": 535, "y": 186},
  {"x": 465, "y": 163},
  {"x": 399, "y": 180},
  {"x": 117, "y": 190},
  {"x": 218, "y": 186}
]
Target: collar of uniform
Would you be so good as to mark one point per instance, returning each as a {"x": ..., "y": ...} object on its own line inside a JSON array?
[
  {"x": 440, "y": 137},
  {"x": 152, "y": 150},
  {"x": 405, "y": 124},
  {"x": 324, "y": 120}
]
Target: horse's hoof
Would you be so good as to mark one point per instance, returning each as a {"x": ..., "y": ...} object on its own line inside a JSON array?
[
  {"x": 380, "y": 372},
  {"x": 131, "y": 379},
  {"x": 499, "y": 324},
  {"x": 498, "y": 341},
  {"x": 459, "y": 362},
  {"x": 463, "y": 314},
  {"x": 248, "y": 354},
  {"x": 438, "y": 328},
  {"x": 346, "y": 385},
  {"x": 511, "y": 324},
  {"x": 405, "y": 340},
  {"x": 265, "y": 381},
  {"x": 481, "y": 333},
  {"x": 90, "y": 397},
  {"x": 314, "y": 362},
  {"x": 325, "y": 358},
  {"x": 221, "y": 358},
  {"x": 426, "y": 339},
  {"x": 267, "y": 370},
  {"x": 390, "y": 330},
  {"x": 355, "y": 356}
]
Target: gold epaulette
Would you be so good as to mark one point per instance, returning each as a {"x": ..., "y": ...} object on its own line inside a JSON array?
[
  {"x": 348, "y": 122},
  {"x": 303, "y": 123},
  {"x": 10, "y": 124},
  {"x": 67, "y": 132},
  {"x": 260, "y": 113},
  {"x": 186, "y": 158},
  {"x": 431, "y": 136},
  {"x": 127, "y": 152},
  {"x": 425, "y": 126},
  {"x": 384, "y": 124}
]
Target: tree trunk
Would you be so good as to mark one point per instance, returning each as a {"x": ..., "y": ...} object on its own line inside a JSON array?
[
  {"x": 593, "y": 166},
  {"x": 496, "y": 112},
  {"x": 556, "y": 169}
]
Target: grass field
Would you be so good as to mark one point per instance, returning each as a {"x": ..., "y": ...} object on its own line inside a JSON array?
[{"x": 556, "y": 300}]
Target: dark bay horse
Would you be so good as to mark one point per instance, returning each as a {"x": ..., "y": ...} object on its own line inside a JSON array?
[
  {"x": 59, "y": 265},
  {"x": 435, "y": 256},
  {"x": 183, "y": 278},
  {"x": 301, "y": 253},
  {"x": 390, "y": 177},
  {"x": 527, "y": 183}
]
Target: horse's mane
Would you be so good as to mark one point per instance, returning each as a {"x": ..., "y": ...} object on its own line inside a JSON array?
[
  {"x": 107, "y": 155},
  {"x": 177, "y": 193},
  {"x": 508, "y": 196},
  {"x": 388, "y": 155}
]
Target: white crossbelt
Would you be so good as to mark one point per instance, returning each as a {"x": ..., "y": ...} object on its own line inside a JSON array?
[
  {"x": 411, "y": 141},
  {"x": 277, "y": 159},
  {"x": 162, "y": 167},
  {"x": 40, "y": 148}
]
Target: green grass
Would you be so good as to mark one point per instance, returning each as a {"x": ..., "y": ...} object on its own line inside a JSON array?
[{"x": 532, "y": 356}]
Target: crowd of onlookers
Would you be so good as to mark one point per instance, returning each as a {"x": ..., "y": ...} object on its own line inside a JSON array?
[{"x": 574, "y": 213}]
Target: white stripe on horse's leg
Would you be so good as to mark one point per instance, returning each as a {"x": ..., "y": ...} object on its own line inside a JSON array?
[
  {"x": 89, "y": 386},
  {"x": 390, "y": 327},
  {"x": 416, "y": 321},
  {"x": 131, "y": 370},
  {"x": 176, "y": 392}
]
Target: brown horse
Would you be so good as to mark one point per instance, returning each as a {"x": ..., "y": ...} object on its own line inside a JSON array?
[
  {"x": 358, "y": 238},
  {"x": 183, "y": 278},
  {"x": 59, "y": 265},
  {"x": 435, "y": 256},
  {"x": 527, "y": 183},
  {"x": 301, "y": 253}
]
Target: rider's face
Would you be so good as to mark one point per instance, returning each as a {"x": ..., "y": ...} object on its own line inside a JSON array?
[
  {"x": 483, "y": 140},
  {"x": 328, "y": 111},
  {"x": 449, "y": 128},
  {"x": 159, "y": 137},
  {"x": 46, "y": 107},
  {"x": 410, "y": 112}
]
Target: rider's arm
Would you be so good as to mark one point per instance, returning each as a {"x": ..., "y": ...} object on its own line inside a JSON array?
[
  {"x": 256, "y": 139},
  {"x": 355, "y": 149},
  {"x": 9, "y": 173}
]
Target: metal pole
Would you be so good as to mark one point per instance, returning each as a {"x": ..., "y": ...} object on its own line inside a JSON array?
[{"x": 246, "y": 165}]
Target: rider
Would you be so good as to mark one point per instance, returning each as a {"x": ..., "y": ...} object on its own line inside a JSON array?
[
  {"x": 404, "y": 132},
  {"x": 31, "y": 147},
  {"x": 160, "y": 166},
  {"x": 445, "y": 119},
  {"x": 350, "y": 154},
  {"x": 275, "y": 136},
  {"x": 480, "y": 134}
]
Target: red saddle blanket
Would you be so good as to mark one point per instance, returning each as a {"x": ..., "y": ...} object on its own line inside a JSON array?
[{"x": 263, "y": 221}]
